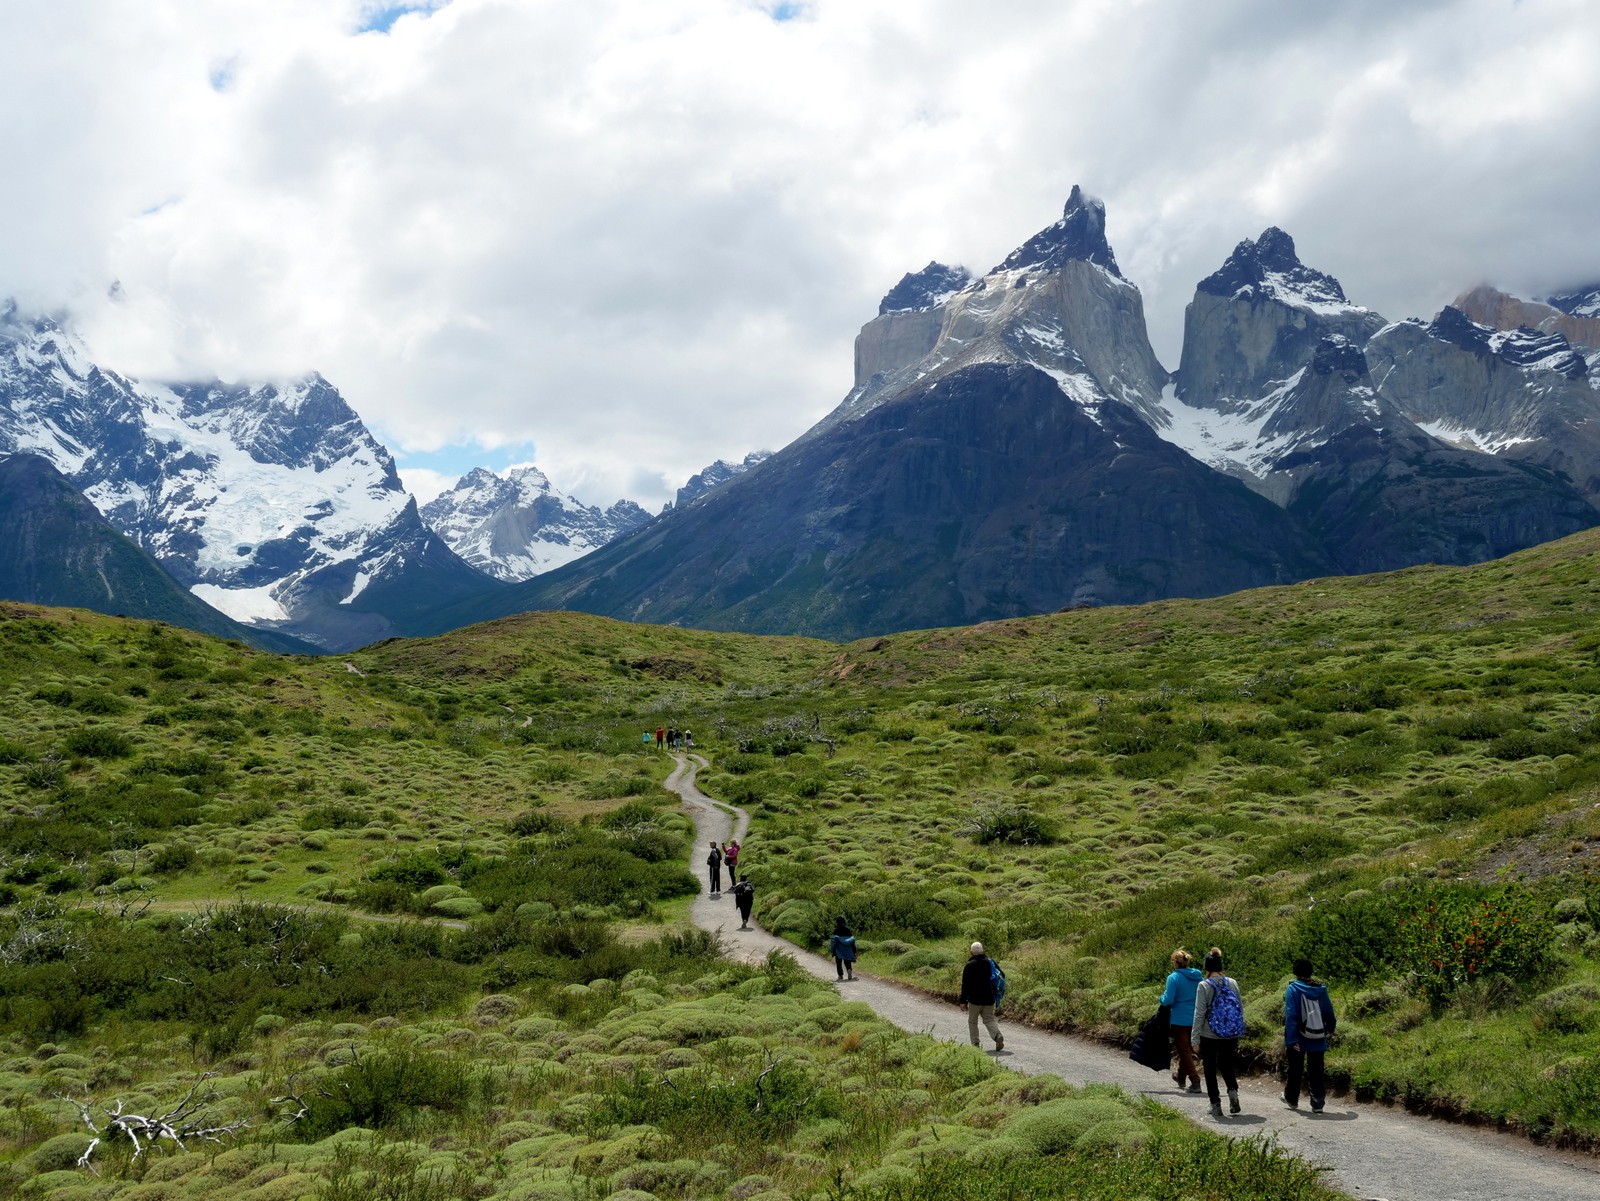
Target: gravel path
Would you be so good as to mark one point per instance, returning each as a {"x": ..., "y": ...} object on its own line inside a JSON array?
[{"x": 1373, "y": 1151}]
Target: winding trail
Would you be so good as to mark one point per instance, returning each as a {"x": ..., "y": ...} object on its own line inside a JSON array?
[{"x": 1372, "y": 1151}]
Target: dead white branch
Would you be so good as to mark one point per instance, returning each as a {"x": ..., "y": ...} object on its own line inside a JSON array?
[{"x": 186, "y": 1122}]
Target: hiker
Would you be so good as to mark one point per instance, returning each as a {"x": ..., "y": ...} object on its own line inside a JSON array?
[
  {"x": 672, "y": 738},
  {"x": 1308, "y": 1022},
  {"x": 645, "y": 738},
  {"x": 744, "y": 896},
  {"x": 1179, "y": 997},
  {"x": 1219, "y": 1025},
  {"x": 688, "y": 741},
  {"x": 978, "y": 995},
  {"x": 842, "y": 946},
  {"x": 714, "y": 866},
  {"x": 661, "y": 736},
  {"x": 730, "y": 855}
]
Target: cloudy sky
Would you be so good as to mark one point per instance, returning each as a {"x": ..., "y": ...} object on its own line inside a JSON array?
[{"x": 627, "y": 237}]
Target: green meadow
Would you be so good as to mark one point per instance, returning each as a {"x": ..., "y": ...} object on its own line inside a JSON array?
[{"x": 412, "y": 922}]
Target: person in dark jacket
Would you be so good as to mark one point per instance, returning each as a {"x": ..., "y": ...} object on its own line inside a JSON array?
[
  {"x": 842, "y": 946},
  {"x": 1304, "y": 1001},
  {"x": 714, "y": 868},
  {"x": 1179, "y": 996},
  {"x": 744, "y": 896},
  {"x": 977, "y": 996}
]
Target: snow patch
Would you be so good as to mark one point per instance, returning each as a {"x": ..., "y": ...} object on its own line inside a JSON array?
[
  {"x": 1471, "y": 439},
  {"x": 249, "y": 605}
]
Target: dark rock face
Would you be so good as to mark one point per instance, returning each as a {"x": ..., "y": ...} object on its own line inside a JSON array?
[
  {"x": 1520, "y": 348},
  {"x": 715, "y": 476},
  {"x": 1380, "y": 494},
  {"x": 1080, "y": 234},
  {"x": 987, "y": 494},
  {"x": 56, "y": 549},
  {"x": 921, "y": 290},
  {"x": 1580, "y": 302}
]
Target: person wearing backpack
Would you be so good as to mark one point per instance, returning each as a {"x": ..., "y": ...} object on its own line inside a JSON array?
[
  {"x": 744, "y": 896},
  {"x": 842, "y": 946},
  {"x": 1308, "y": 1023},
  {"x": 1218, "y": 1027},
  {"x": 982, "y": 987}
]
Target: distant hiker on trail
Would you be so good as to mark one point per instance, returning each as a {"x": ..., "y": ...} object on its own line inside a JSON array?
[
  {"x": 672, "y": 738},
  {"x": 688, "y": 741},
  {"x": 1308, "y": 1022},
  {"x": 661, "y": 736},
  {"x": 744, "y": 896},
  {"x": 978, "y": 995},
  {"x": 730, "y": 855},
  {"x": 1218, "y": 1026},
  {"x": 645, "y": 738},
  {"x": 714, "y": 864},
  {"x": 1179, "y": 995},
  {"x": 842, "y": 946}
]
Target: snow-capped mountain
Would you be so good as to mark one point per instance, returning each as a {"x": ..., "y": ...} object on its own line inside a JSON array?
[
  {"x": 271, "y": 502},
  {"x": 1058, "y": 302},
  {"x": 518, "y": 525},
  {"x": 715, "y": 476}
]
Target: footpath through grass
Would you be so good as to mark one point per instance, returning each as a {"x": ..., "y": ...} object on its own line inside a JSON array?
[{"x": 574, "y": 1040}]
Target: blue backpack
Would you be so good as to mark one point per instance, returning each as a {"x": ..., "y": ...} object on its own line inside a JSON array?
[
  {"x": 998, "y": 979},
  {"x": 1226, "y": 1015}
]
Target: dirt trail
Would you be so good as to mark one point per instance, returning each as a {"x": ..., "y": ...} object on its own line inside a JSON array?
[{"x": 1372, "y": 1151}]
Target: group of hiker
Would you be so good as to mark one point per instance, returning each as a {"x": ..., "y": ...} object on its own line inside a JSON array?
[
  {"x": 1201, "y": 1009},
  {"x": 671, "y": 738},
  {"x": 744, "y": 893}
]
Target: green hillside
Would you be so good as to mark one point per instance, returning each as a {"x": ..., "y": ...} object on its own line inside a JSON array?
[
  {"x": 410, "y": 925},
  {"x": 197, "y": 838}
]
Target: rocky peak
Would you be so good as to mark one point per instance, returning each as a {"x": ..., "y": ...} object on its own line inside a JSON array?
[
  {"x": 715, "y": 476},
  {"x": 1269, "y": 268},
  {"x": 1080, "y": 234},
  {"x": 919, "y": 291}
]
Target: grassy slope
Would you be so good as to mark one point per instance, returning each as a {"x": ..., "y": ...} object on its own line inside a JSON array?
[{"x": 571, "y": 1042}]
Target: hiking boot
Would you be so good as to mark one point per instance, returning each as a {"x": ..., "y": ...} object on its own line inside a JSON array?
[
  {"x": 999, "y": 1042},
  {"x": 1315, "y": 1108},
  {"x": 1233, "y": 1100},
  {"x": 1193, "y": 1088},
  {"x": 1216, "y": 1110},
  {"x": 1295, "y": 1103}
]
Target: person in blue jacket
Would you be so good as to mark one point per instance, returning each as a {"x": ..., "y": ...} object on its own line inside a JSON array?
[
  {"x": 1308, "y": 1022},
  {"x": 842, "y": 946},
  {"x": 1179, "y": 996}
]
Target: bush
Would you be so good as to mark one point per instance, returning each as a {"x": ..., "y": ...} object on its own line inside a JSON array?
[
  {"x": 1012, "y": 824},
  {"x": 389, "y": 1090},
  {"x": 415, "y": 872},
  {"x": 99, "y": 742}
]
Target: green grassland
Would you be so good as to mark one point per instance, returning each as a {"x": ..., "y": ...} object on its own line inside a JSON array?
[
  {"x": 1398, "y": 775},
  {"x": 411, "y": 925}
]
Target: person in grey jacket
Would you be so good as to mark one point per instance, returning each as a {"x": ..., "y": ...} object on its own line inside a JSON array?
[
  {"x": 1218, "y": 1052},
  {"x": 1304, "y": 1001}
]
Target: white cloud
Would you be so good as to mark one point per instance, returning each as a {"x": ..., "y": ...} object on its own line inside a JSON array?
[
  {"x": 424, "y": 483},
  {"x": 642, "y": 235}
]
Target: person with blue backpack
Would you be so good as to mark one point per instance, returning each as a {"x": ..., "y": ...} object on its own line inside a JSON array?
[
  {"x": 1218, "y": 1027},
  {"x": 1308, "y": 1023},
  {"x": 983, "y": 987}
]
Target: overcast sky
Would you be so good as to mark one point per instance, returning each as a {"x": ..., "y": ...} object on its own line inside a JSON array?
[{"x": 626, "y": 237}]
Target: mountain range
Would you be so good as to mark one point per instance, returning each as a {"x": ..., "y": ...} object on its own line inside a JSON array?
[{"x": 1012, "y": 444}]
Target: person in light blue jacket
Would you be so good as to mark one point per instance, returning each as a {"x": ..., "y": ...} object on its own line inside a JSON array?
[
  {"x": 1179, "y": 997},
  {"x": 1308, "y": 1022}
]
